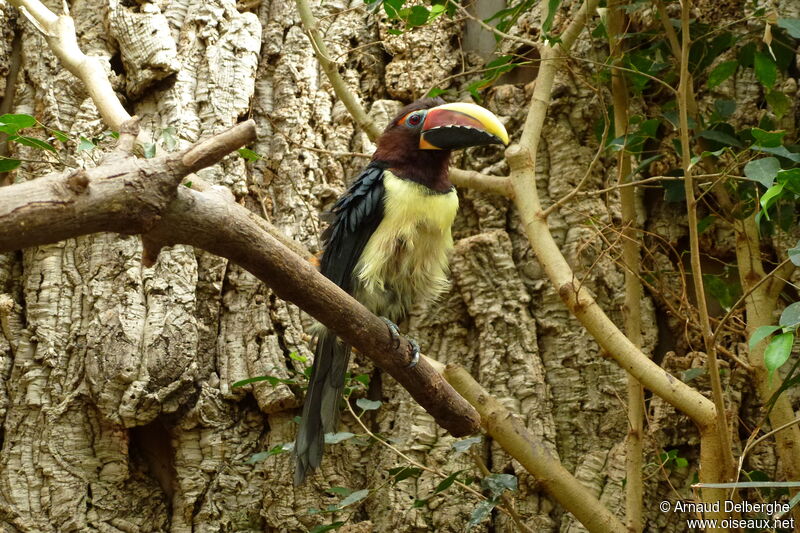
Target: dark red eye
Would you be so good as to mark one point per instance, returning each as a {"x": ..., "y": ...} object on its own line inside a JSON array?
[{"x": 414, "y": 119}]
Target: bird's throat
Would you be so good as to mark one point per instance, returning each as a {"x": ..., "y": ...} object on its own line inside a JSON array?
[{"x": 426, "y": 167}]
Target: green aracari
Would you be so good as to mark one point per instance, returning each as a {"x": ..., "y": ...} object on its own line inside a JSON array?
[{"x": 389, "y": 241}]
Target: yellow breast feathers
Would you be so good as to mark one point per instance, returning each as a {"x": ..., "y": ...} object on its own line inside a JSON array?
[{"x": 406, "y": 259}]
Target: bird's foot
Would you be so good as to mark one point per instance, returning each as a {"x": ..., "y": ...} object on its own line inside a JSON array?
[
  {"x": 394, "y": 331},
  {"x": 415, "y": 353}
]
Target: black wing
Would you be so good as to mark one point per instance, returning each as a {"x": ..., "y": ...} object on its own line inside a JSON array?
[{"x": 356, "y": 216}]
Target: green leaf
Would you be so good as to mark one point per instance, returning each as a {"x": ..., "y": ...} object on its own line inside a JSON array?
[
  {"x": 779, "y": 151},
  {"x": 480, "y": 513},
  {"x": 404, "y": 472},
  {"x": 85, "y": 145},
  {"x": 720, "y": 137},
  {"x": 761, "y": 333},
  {"x": 721, "y": 72},
  {"x": 363, "y": 379},
  {"x": 368, "y": 405},
  {"x": 248, "y": 154},
  {"x": 294, "y": 356},
  {"x": 7, "y": 165},
  {"x": 323, "y": 528},
  {"x": 723, "y": 109},
  {"x": 680, "y": 462},
  {"x": 60, "y": 135},
  {"x": 724, "y": 292},
  {"x": 354, "y": 497},
  {"x": 794, "y": 254},
  {"x": 790, "y": 179},
  {"x": 706, "y": 154},
  {"x": 790, "y": 316},
  {"x": 766, "y": 70},
  {"x": 778, "y": 351},
  {"x": 418, "y": 16},
  {"x": 437, "y": 9},
  {"x": 497, "y": 483},
  {"x": 11, "y": 124},
  {"x": 779, "y": 103},
  {"x": 257, "y": 457},
  {"x": 149, "y": 150},
  {"x": 792, "y": 26},
  {"x": 705, "y": 223},
  {"x": 168, "y": 135},
  {"x": 272, "y": 380},
  {"x": 336, "y": 438},
  {"x": 463, "y": 445},
  {"x": 692, "y": 373},
  {"x": 473, "y": 89},
  {"x": 275, "y": 450},
  {"x": 446, "y": 482},
  {"x": 339, "y": 491},
  {"x": 770, "y": 197},
  {"x": 436, "y": 91},
  {"x": 763, "y": 170},
  {"x": 552, "y": 8},
  {"x": 767, "y": 139},
  {"x": 418, "y": 504},
  {"x": 32, "y": 142},
  {"x": 674, "y": 191}
]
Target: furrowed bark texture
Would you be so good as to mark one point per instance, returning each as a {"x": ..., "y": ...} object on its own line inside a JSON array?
[{"x": 116, "y": 403}]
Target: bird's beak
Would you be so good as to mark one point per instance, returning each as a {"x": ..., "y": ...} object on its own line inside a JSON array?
[{"x": 460, "y": 125}]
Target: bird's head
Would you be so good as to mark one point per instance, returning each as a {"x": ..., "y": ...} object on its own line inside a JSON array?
[{"x": 417, "y": 142}]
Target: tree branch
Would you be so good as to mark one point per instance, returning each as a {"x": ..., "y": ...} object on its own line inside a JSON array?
[
  {"x": 332, "y": 72},
  {"x": 129, "y": 195},
  {"x": 59, "y": 32},
  {"x": 631, "y": 256},
  {"x": 478, "y": 181},
  {"x": 534, "y": 456},
  {"x": 521, "y": 159},
  {"x": 684, "y": 92}
]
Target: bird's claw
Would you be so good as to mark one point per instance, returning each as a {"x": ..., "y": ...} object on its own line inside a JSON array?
[
  {"x": 394, "y": 331},
  {"x": 414, "y": 353}
]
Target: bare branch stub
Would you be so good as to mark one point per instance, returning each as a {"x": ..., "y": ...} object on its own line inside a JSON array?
[
  {"x": 127, "y": 194},
  {"x": 127, "y": 135}
]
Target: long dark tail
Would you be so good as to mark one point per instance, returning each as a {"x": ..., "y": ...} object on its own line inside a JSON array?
[{"x": 321, "y": 409}]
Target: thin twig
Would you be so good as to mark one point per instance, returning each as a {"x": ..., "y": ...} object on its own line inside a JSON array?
[
  {"x": 744, "y": 296},
  {"x": 332, "y": 72},
  {"x": 684, "y": 92},
  {"x": 417, "y": 463},
  {"x": 509, "y": 504}
]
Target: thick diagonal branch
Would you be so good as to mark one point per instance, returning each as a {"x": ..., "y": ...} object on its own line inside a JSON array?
[{"x": 129, "y": 195}]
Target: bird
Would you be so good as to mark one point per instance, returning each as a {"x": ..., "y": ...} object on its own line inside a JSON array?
[{"x": 388, "y": 242}]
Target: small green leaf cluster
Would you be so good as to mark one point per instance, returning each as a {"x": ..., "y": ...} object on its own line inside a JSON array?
[
  {"x": 495, "y": 485},
  {"x": 412, "y": 16},
  {"x": 12, "y": 125},
  {"x": 671, "y": 460},
  {"x": 780, "y": 337}
]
